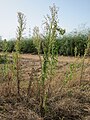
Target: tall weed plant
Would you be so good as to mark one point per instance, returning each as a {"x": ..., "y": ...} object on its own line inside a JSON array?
[{"x": 50, "y": 57}]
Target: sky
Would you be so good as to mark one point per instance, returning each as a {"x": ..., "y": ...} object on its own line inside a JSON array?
[{"x": 72, "y": 14}]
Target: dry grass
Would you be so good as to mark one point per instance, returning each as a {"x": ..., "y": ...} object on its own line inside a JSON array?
[{"x": 66, "y": 102}]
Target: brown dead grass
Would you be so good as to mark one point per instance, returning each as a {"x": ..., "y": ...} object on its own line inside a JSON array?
[{"x": 66, "y": 102}]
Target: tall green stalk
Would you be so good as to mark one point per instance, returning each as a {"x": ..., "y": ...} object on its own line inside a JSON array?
[
  {"x": 20, "y": 30},
  {"x": 83, "y": 60},
  {"x": 5, "y": 58},
  {"x": 50, "y": 56}
]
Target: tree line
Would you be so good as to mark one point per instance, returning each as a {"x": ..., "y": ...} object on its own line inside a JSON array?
[{"x": 68, "y": 45}]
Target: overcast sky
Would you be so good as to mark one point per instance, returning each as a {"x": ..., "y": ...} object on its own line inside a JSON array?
[{"x": 72, "y": 13}]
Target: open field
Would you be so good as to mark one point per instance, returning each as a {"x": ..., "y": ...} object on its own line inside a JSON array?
[
  {"x": 67, "y": 101},
  {"x": 45, "y": 72}
]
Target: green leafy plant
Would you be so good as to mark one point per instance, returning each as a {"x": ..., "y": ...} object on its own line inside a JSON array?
[
  {"x": 83, "y": 59},
  {"x": 19, "y": 34},
  {"x": 5, "y": 59},
  {"x": 50, "y": 53}
]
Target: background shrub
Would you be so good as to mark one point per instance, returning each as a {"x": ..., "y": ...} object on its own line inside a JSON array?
[{"x": 67, "y": 45}]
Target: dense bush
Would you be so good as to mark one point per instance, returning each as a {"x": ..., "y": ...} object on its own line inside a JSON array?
[
  {"x": 10, "y": 45},
  {"x": 0, "y": 45},
  {"x": 67, "y": 45},
  {"x": 2, "y": 59},
  {"x": 70, "y": 44},
  {"x": 27, "y": 46}
]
